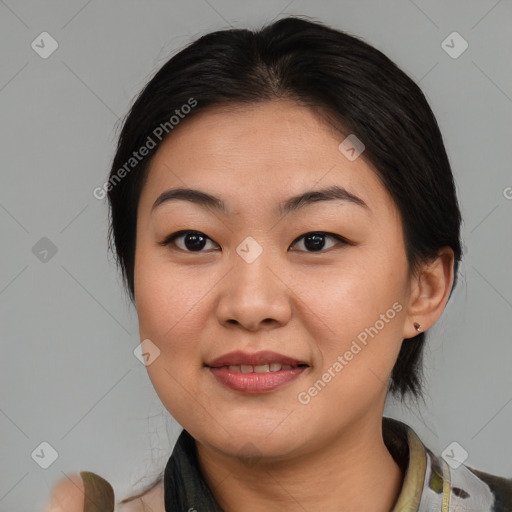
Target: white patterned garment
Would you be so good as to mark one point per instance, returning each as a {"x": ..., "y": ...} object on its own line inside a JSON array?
[{"x": 433, "y": 485}]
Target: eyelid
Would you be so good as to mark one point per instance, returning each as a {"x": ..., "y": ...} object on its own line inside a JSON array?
[
  {"x": 170, "y": 238},
  {"x": 340, "y": 239}
]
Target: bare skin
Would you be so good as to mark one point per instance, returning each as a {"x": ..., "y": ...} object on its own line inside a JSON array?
[
  {"x": 310, "y": 305},
  {"x": 67, "y": 495},
  {"x": 86, "y": 491}
]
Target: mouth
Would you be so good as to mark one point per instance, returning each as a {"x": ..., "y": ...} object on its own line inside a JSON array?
[
  {"x": 259, "y": 368},
  {"x": 263, "y": 361},
  {"x": 255, "y": 373}
]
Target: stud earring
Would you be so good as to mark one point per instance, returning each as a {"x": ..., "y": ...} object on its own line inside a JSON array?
[{"x": 417, "y": 326}]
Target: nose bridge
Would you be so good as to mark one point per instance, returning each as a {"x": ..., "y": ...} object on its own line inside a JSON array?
[{"x": 253, "y": 293}]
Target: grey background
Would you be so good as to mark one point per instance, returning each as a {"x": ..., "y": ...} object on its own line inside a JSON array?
[{"x": 68, "y": 373}]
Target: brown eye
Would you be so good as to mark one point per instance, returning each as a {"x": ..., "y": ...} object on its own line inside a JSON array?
[
  {"x": 315, "y": 241},
  {"x": 190, "y": 241}
]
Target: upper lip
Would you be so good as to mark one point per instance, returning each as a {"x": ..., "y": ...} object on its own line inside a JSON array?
[{"x": 263, "y": 357}]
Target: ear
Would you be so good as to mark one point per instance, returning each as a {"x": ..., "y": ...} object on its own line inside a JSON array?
[{"x": 430, "y": 291}]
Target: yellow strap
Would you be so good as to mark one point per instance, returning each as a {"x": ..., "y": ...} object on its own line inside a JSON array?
[{"x": 446, "y": 487}]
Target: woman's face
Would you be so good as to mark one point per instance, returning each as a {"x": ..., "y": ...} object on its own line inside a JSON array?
[{"x": 255, "y": 283}]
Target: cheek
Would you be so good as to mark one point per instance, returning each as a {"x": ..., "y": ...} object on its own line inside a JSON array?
[
  {"x": 358, "y": 315},
  {"x": 169, "y": 309},
  {"x": 358, "y": 335},
  {"x": 166, "y": 297},
  {"x": 347, "y": 299}
]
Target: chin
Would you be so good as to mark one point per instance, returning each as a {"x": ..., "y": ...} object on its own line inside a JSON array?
[
  {"x": 252, "y": 451},
  {"x": 250, "y": 441}
]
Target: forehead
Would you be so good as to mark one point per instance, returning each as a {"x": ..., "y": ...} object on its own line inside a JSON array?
[
  {"x": 266, "y": 151},
  {"x": 266, "y": 129}
]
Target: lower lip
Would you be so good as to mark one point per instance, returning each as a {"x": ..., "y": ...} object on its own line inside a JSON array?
[{"x": 255, "y": 382}]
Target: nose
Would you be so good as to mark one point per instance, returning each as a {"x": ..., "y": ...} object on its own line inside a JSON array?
[{"x": 255, "y": 295}]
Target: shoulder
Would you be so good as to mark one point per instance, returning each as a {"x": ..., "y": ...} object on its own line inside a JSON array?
[
  {"x": 152, "y": 501},
  {"x": 500, "y": 487},
  {"x": 67, "y": 495},
  {"x": 71, "y": 493},
  {"x": 472, "y": 489},
  {"x": 78, "y": 492},
  {"x": 444, "y": 479}
]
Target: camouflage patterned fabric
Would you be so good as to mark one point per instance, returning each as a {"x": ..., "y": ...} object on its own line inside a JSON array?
[
  {"x": 430, "y": 483},
  {"x": 433, "y": 485}
]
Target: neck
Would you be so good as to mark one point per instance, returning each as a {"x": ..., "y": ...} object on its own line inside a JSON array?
[{"x": 334, "y": 478}]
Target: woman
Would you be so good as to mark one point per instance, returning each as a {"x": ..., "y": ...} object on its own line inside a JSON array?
[{"x": 285, "y": 218}]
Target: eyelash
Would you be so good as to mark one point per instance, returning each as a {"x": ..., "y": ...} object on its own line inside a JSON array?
[{"x": 171, "y": 238}]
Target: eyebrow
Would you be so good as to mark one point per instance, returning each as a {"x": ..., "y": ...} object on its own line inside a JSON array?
[{"x": 291, "y": 204}]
